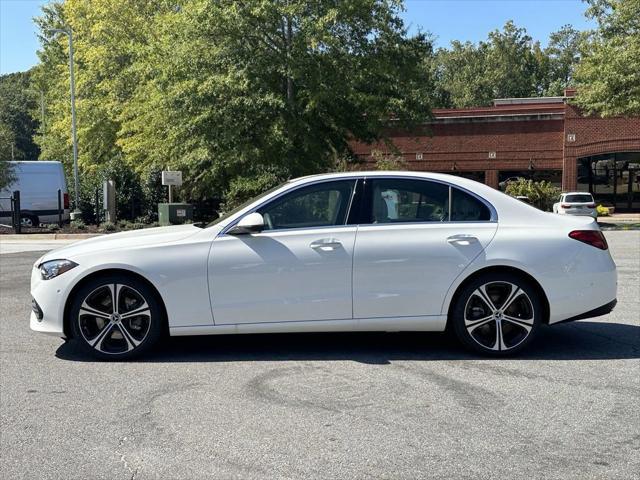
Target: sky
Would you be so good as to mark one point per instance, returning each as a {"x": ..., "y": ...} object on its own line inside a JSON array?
[{"x": 447, "y": 20}]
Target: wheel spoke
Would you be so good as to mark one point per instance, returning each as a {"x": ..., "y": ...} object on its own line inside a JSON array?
[
  {"x": 499, "y": 337},
  {"x": 143, "y": 310},
  {"x": 473, "y": 324},
  {"x": 93, "y": 312},
  {"x": 481, "y": 292},
  {"x": 131, "y": 342},
  {"x": 524, "y": 323},
  {"x": 515, "y": 293},
  {"x": 104, "y": 333},
  {"x": 115, "y": 295}
]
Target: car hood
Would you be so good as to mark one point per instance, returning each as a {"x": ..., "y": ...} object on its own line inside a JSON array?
[{"x": 134, "y": 238}]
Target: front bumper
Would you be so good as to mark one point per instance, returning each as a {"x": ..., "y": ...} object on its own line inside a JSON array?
[{"x": 49, "y": 297}]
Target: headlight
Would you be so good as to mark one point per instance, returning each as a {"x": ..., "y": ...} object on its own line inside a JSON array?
[{"x": 53, "y": 268}]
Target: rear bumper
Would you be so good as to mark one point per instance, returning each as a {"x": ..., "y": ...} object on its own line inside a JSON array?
[
  {"x": 580, "y": 213},
  {"x": 596, "y": 312}
]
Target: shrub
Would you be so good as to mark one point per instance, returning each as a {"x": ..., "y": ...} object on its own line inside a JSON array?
[
  {"x": 108, "y": 227},
  {"x": 541, "y": 194},
  {"x": 78, "y": 224},
  {"x": 602, "y": 211},
  {"x": 53, "y": 227},
  {"x": 388, "y": 161}
]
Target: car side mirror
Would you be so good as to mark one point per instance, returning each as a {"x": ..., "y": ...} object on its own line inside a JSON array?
[{"x": 252, "y": 223}]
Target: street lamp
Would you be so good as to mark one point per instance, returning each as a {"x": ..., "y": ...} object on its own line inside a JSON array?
[{"x": 76, "y": 213}]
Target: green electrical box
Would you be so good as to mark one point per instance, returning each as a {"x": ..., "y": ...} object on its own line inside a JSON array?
[{"x": 174, "y": 213}]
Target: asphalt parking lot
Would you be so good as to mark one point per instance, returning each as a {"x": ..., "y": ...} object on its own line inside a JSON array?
[{"x": 325, "y": 406}]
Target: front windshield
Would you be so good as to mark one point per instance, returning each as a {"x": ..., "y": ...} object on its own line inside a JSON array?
[{"x": 225, "y": 215}]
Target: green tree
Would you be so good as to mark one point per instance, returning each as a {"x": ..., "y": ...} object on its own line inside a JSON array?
[
  {"x": 463, "y": 75},
  {"x": 562, "y": 55},
  {"x": 246, "y": 94},
  {"x": 17, "y": 126},
  {"x": 608, "y": 76},
  {"x": 508, "y": 64},
  {"x": 239, "y": 95}
]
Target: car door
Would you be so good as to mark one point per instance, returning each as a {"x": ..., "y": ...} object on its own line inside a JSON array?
[
  {"x": 297, "y": 269},
  {"x": 416, "y": 237}
]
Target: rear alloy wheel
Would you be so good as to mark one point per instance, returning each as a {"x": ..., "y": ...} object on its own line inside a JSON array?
[
  {"x": 116, "y": 318},
  {"x": 29, "y": 221},
  {"x": 497, "y": 314}
]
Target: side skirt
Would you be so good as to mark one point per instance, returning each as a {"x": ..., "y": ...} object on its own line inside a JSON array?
[{"x": 432, "y": 323}]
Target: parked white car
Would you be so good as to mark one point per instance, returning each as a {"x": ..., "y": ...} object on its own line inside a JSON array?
[
  {"x": 38, "y": 183},
  {"x": 377, "y": 251},
  {"x": 576, "y": 203}
]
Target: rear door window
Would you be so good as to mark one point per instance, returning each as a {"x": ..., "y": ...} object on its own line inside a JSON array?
[
  {"x": 467, "y": 208},
  {"x": 400, "y": 200}
]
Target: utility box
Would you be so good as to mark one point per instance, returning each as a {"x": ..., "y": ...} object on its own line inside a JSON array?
[{"x": 174, "y": 213}]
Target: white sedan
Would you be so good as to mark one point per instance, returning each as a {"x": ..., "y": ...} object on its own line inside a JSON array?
[
  {"x": 362, "y": 251},
  {"x": 576, "y": 203}
]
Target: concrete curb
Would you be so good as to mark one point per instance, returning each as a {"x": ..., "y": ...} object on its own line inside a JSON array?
[{"x": 50, "y": 236}]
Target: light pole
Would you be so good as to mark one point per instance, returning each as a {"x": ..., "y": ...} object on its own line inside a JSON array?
[{"x": 76, "y": 213}]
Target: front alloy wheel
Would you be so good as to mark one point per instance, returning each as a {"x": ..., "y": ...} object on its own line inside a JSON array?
[
  {"x": 497, "y": 314},
  {"x": 116, "y": 318}
]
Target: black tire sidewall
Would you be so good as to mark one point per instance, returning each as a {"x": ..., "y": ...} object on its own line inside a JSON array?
[
  {"x": 457, "y": 312},
  {"x": 157, "y": 316}
]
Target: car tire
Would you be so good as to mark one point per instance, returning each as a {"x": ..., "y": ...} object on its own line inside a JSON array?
[
  {"x": 129, "y": 330},
  {"x": 27, "y": 220},
  {"x": 497, "y": 314}
]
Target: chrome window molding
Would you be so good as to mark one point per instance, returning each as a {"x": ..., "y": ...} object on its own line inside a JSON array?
[{"x": 493, "y": 213}]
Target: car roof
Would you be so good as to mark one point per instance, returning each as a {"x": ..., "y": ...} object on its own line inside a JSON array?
[
  {"x": 576, "y": 193},
  {"x": 380, "y": 173}
]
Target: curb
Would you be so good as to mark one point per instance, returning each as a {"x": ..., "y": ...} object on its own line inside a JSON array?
[{"x": 50, "y": 236}]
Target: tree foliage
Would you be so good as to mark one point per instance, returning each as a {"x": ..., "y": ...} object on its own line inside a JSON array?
[
  {"x": 541, "y": 194},
  {"x": 238, "y": 95},
  {"x": 609, "y": 74},
  {"x": 506, "y": 65},
  {"x": 17, "y": 124}
]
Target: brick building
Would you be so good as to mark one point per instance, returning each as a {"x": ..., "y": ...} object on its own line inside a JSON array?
[{"x": 540, "y": 138}]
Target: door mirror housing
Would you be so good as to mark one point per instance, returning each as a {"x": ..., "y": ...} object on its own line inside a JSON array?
[{"x": 252, "y": 223}]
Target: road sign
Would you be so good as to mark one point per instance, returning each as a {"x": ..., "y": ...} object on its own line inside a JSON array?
[{"x": 172, "y": 178}]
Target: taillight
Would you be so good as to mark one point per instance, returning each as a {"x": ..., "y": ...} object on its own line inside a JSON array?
[
  {"x": 591, "y": 205},
  {"x": 595, "y": 238},
  {"x": 65, "y": 200},
  {"x": 565, "y": 205}
]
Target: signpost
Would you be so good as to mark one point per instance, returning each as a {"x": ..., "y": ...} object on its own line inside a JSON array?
[
  {"x": 171, "y": 178},
  {"x": 109, "y": 200}
]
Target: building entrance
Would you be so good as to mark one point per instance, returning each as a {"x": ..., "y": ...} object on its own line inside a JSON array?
[{"x": 613, "y": 179}]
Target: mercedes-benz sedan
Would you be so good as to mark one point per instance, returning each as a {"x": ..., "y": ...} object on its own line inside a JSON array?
[{"x": 362, "y": 251}]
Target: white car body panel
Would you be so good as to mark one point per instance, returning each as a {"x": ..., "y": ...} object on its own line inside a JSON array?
[
  {"x": 408, "y": 268},
  {"x": 276, "y": 276},
  {"x": 215, "y": 283}
]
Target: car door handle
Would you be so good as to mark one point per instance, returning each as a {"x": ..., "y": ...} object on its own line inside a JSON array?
[
  {"x": 326, "y": 244},
  {"x": 462, "y": 239}
]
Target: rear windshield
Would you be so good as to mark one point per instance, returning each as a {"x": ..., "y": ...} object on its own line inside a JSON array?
[{"x": 586, "y": 198}]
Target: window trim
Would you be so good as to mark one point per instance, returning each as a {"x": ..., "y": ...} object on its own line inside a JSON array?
[
  {"x": 354, "y": 180},
  {"x": 367, "y": 205}
]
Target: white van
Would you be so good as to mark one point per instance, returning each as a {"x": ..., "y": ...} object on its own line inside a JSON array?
[{"x": 38, "y": 183}]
